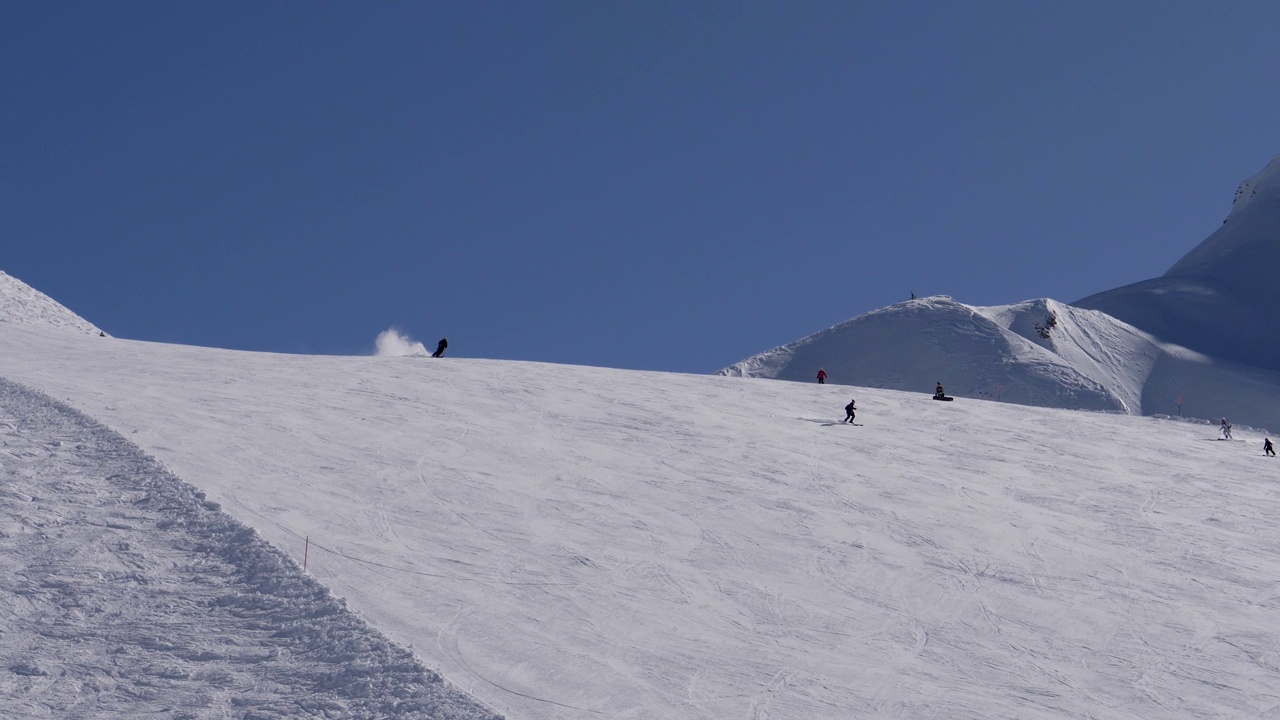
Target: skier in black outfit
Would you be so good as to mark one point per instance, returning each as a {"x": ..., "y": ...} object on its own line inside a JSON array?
[
  {"x": 1267, "y": 447},
  {"x": 848, "y": 412},
  {"x": 938, "y": 392},
  {"x": 440, "y": 346}
]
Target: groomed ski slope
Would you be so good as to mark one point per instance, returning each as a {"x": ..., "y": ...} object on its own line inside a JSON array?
[
  {"x": 126, "y": 594},
  {"x": 572, "y": 542}
]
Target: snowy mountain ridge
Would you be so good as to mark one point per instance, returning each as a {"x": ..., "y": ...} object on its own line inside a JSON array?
[
  {"x": 1264, "y": 182},
  {"x": 1039, "y": 352},
  {"x": 1218, "y": 298},
  {"x": 22, "y": 304},
  {"x": 1194, "y": 342}
]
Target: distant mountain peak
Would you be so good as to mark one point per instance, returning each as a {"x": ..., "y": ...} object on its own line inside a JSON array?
[
  {"x": 22, "y": 304},
  {"x": 1197, "y": 340},
  {"x": 1265, "y": 184},
  {"x": 1038, "y": 352},
  {"x": 1217, "y": 299}
]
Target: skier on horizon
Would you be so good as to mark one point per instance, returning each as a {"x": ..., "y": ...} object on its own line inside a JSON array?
[
  {"x": 848, "y": 412},
  {"x": 822, "y": 376},
  {"x": 440, "y": 346},
  {"x": 1267, "y": 447},
  {"x": 1226, "y": 429}
]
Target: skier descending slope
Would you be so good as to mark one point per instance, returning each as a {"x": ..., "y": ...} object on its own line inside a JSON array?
[
  {"x": 1226, "y": 429},
  {"x": 848, "y": 412},
  {"x": 1268, "y": 448}
]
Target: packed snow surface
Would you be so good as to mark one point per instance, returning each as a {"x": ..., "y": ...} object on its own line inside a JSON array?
[
  {"x": 572, "y": 542},
  {"x": 129, "y": 594}
]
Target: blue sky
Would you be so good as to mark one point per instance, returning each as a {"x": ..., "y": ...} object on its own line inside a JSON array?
[{"x": 649, "y": 185}]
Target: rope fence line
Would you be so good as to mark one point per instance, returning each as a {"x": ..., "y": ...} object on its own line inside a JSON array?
[
  {"x": 308, "y": 544},
  {"x": 423, "y": 573}
]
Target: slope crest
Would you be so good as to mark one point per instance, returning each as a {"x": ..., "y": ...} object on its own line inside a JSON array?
[{"x": 22, "y": 304}]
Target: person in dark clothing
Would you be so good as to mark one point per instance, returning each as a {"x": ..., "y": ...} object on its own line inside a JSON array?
[
  {"x": 848, "y": 412},
  {"x": 1267, "y": 447},
  {"x": 822, "y": 376},
  {"x": 938, "y": 392},
  {"x": 440, "y": 346}
]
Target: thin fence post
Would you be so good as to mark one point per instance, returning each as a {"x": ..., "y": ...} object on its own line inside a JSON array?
[{"x": 305, "y": 552}]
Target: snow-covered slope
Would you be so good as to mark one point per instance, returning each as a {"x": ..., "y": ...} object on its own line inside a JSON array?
[
  {"x": 22, "y": 304},
  {"x": 126, "y": 594},
  {"x": 1218, "y": 299},
  {"x": 569, "y": 542},
  {"x": 1039, "y": 352}
]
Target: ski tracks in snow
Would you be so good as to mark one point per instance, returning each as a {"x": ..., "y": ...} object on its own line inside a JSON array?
[{"x": 129, "y": 594}]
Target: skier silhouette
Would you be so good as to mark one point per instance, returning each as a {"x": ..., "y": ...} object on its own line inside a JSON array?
[
  {"x": 440, "y": 346},
  {"x": 822, "y": 376},
  {"x": 1267, "y": 447},
  {"x": 1226, "y": 429},
  {"x": 848, "y": 412}
]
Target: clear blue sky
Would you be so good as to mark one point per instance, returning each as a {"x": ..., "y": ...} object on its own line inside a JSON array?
[{"x": 641, "y": 185}]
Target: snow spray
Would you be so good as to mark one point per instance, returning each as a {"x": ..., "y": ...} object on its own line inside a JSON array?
[{"x": 393, "y": 343}]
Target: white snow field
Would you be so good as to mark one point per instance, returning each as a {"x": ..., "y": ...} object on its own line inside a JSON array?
[{"x": 573, "y": 542}]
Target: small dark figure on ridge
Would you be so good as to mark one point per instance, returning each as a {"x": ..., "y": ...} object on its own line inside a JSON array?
[
  {"x": 440, "y": 346},
  {"x": 1268, "y": 448},
  {"x": 822, "y": 376}
]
